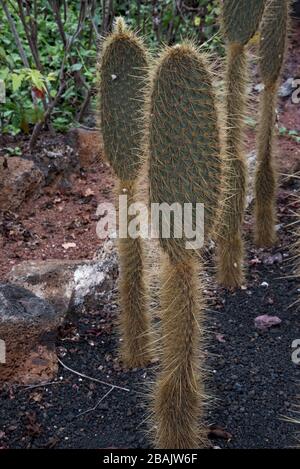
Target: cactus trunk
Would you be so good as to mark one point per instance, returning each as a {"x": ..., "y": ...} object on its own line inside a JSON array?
[
  {"x": 231, "y": 246},
  {"x": 240, "y": 21},
  {"x": 178, "y": 404},
  {"x": 266, "y": 174},
  {"x": 272, "y": 50},
  {"x": 134, "y": 321}
]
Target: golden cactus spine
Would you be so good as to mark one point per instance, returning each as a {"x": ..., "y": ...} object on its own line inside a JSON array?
[
  {"x": 240, "y": 21},
  {"x": 271, "y": 55},
  {"x": 185, "y": 166},
  {"x": 123, "y": 70}
]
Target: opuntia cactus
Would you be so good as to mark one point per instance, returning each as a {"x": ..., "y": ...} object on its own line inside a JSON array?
[
  {"x": 271, "y": 57},
  {"x": 185, "y": 166},
  {"x": 123, "y": 70},
  {"x": 240, "y": 21}
]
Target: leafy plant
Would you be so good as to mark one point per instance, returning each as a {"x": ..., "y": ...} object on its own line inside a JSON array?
[
  {"x": 54, "y": 43},
  {"x": 13, "y": 151}
]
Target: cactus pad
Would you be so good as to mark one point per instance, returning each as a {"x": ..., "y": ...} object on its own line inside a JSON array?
[
  {"x": 241, "y": 19},
  {"x": 184, "y": 136},
  {"x": 123, "y": 68}
]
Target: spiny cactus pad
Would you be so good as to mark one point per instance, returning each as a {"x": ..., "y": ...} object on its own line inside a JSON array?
[
  {"x": 273, "y": 41},
  {"x": 241, "y": 19},
  {"x": 184, "y": 137},
  {"x": 122, "y": 69}
]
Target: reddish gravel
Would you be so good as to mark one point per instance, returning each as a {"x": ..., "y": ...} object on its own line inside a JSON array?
[{"x": 64, "y": 212}]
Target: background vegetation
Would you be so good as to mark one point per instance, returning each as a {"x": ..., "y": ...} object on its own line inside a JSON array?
[{"x": 48, "y": 51}]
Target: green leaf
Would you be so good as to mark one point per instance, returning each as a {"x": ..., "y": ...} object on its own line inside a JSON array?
[
  {"x": 7, "y": 113},
  {"x": 36, "y": 78},
  {"x": 4, "y": 72},
  {"x": 282, "y": 130},
  {"x": 3, "y": 53},
  {"x": 16, "y": 81},
  {"x": 13, "y": 151},
  {"x": 51, "y": 76},
  {"x": 76, "y": 67}
]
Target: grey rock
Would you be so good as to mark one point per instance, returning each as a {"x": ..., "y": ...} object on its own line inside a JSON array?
[
  {"x": 28, "y": 327},
  {"x": 286, "y": 88},
  {"x": 71, "y": 285},
  {"x": 19, "y": 179},
  {"x": 251, "y": 160}
]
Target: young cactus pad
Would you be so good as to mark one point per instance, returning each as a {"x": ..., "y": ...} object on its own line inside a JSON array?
[
  {"x": 271, "y": 57},
  {"x": 123, "y": 71},
  {"x": 240, "y": 21},
  {"x": 185, "y": 166}
]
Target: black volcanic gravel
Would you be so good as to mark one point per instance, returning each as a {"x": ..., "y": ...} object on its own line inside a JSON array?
[{"x": 252, "y": 378}]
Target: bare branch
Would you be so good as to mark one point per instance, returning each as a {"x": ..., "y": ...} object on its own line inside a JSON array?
[
  {"x": 97, "y": 405},
  {"x": 15, "y": 34},
  {"x": 84, "y": 105},
  {"x": 38, "y": 127},
  {"x": 114, "y": 386}
]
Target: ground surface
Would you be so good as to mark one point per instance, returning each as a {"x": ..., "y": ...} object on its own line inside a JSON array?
[
  {"x": 252, "y": 377},
  {"x": 64, "y": 212}
]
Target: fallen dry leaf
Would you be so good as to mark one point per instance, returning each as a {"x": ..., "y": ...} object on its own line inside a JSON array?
[
  {"x": 255, "y": 261},
  {"x": 220, "y": 338},
  {"x": 36, "y": 396},
  {"x": 67, "y": 246},
  {"x": 215, "y": 431},
  {"x": 89, "y": 192},
  {"x": 33, "y": 427}
]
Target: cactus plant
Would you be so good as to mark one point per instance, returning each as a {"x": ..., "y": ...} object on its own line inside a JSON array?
[
  {"x": 271, "y": 57},
  {"x": 240, "y": 21},
  {"x": 122, "y": 70},
  {"x": 185, "y": 166}
]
